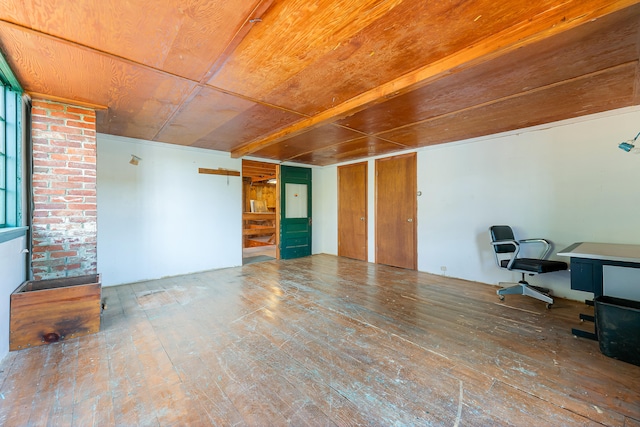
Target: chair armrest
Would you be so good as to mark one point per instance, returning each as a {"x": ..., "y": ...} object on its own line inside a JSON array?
[
  {"x": 514, "y": 243},
  {"x": 545, "y": 242}
]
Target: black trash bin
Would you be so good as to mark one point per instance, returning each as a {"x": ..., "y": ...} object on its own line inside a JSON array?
[{"x": 618, "y": 326}]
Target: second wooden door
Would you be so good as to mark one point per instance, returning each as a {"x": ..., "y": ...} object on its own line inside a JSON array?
[{"x": 396, "y": 209}]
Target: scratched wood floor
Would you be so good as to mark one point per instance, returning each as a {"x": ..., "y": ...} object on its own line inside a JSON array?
[{"x": 321, "y": 341}]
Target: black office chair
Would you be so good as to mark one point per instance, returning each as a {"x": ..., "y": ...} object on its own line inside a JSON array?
[{"x": 507, "y": 248}]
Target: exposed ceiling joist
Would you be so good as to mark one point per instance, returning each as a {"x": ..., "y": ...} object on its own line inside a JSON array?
[{"x": 258, "y": 171}]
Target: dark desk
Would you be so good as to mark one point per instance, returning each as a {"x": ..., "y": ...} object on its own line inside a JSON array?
[{"x": 587, "y": 262}]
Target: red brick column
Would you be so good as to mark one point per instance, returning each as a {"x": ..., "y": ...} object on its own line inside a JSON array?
[{"x": 64, "y": 190}]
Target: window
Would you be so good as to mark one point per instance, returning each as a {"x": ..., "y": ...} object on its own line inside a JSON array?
[
  {"x": 3, "y": 162},
  {"x": 10, "y": 137}
]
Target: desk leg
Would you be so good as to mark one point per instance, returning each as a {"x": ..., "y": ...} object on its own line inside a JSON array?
[
  {"x": 588, "y": 318},
  {"x": 584, "y": 334}
]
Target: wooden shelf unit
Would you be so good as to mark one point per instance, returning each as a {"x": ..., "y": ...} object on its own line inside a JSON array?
[{"x": 256, "y": 224}]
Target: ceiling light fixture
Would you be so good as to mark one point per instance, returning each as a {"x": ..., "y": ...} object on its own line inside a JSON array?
[
  {"x": 630, "y": 145},
  {"x": 134, "y": 160}
]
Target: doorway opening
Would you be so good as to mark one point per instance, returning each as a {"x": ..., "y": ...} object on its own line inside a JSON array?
[{"x": 260, "y": 211}]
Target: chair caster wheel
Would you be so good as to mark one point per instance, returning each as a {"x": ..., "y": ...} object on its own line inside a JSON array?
[
  {"x": 549, "y": 305},
  {"x": 501, "y": 297}
]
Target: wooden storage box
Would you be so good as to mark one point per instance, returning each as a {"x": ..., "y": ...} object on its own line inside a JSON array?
[{"x": 46, "y": 311}]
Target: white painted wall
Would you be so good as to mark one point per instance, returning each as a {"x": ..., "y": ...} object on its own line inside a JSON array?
[
  {"x": 12, "y": 274},
  {"x": 324, "y": 206},
  {"x": 162, "y": 218},
  {"x": 566, "y": 181}
]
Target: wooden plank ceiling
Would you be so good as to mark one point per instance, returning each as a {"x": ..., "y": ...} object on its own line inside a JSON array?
[{"x": 325, "y": 81}]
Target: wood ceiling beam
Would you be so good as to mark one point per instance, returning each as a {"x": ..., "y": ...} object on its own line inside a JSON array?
[
  {"x": 262, "y": 178},
  {"x": 540, "y": 27},
  {"x": 258, "y": 171}
]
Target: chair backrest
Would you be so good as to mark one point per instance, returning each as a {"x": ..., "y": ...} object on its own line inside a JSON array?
[{"x": 502, "y": 232}]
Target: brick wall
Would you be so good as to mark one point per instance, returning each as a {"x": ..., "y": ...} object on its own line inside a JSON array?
[{"x": 64, "y": 190}]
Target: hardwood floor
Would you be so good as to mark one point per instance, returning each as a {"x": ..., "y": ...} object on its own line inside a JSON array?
[
  {"x": 258, "y": 254},
  {"x": 321, "y": 341}
]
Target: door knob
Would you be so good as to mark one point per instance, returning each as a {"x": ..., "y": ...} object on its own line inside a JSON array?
[
  {"x": 410, "y": 220},
  {"x": 361, "y": 218}
]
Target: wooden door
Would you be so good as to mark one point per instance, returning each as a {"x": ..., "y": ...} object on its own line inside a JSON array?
[
  {"x": 295, "y": 212},
  {"x": 352, "y": 211},
  {"x": 396, "y": 208}
]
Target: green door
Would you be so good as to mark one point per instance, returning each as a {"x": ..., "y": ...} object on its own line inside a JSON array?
[{"x": 295, "y": 212}]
